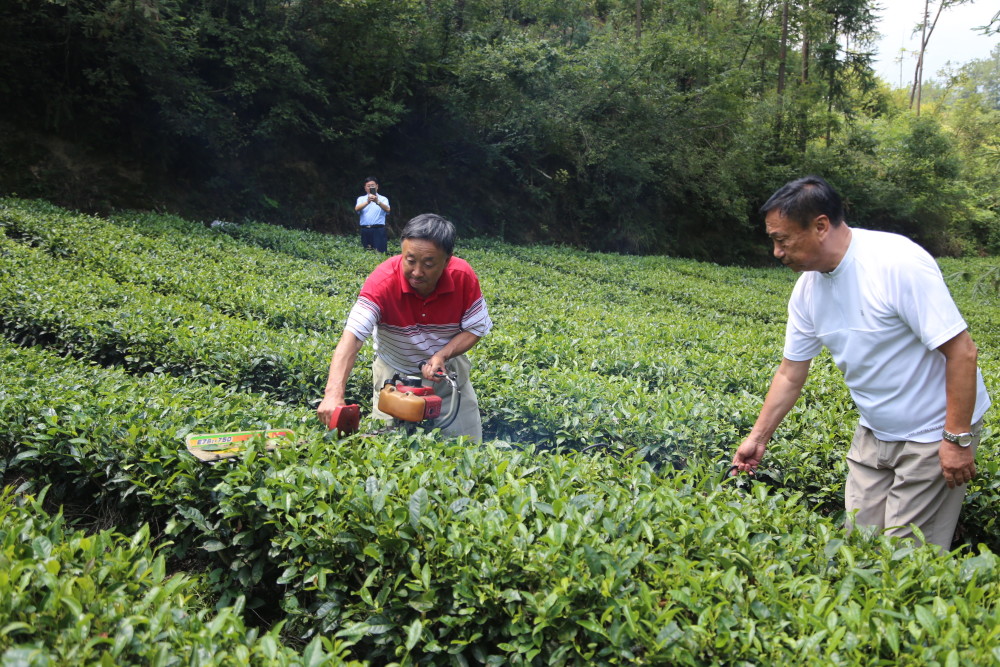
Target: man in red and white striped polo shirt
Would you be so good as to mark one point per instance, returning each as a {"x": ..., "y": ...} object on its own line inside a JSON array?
[{"x": 421, "y": 305}]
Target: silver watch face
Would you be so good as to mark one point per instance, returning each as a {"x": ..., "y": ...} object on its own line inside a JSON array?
[{"x": 960, "y": 439}]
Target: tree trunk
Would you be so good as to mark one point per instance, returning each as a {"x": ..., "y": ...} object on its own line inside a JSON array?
[
  {"x": 805, "y": 47},
  {"x": 925, "y": 37},
  {"x": 782, "y": 62},
  {"x": 831, "y": 84},
  {"x": 918, "y": 73},
  {"x": 782, "y": 50}
]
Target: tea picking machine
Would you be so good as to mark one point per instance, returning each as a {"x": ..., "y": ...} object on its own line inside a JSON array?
[{"x": 404, "y": 398}]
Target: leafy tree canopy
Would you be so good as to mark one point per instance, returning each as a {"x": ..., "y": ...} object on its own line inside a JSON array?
[{"x": 646, "y": 127}]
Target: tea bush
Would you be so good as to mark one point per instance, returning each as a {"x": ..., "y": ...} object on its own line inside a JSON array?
[
  {"x": 407, "y": 547},
  {"x": 48, "y": 301},
  {"x": 618, "y": 363},
  {"x": 68, "y": 597},
  {"x": 249, "y": 285},
  {"x": 416, "y": 550}
]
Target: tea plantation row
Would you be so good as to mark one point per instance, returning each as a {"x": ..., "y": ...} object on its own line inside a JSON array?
[
  {"x": 410, "y": 547},
  {"x": 417, "y": 550},
  {"x": 67, "y": 597}
]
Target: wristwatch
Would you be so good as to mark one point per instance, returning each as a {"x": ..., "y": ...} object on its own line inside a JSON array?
[{"x": 960, "y": 439}]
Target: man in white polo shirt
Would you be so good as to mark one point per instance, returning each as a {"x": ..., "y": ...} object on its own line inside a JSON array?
[
  {"x": 423, "y": 305},
  {"x": 878, "y": 302}
]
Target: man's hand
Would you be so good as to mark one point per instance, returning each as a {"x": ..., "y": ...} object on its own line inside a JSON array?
[
  {"x": 748, "y": 455},
  {"x": 327, "y": 407},
  {"x": 785, "y": 389},
  {"x": 340, "y": 368},
  {"x": 958, "y": 464},
  {"x": 434, "y": 369}
]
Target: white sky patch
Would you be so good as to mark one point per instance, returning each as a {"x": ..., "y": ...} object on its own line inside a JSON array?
[{"x": 955, "y": 39}]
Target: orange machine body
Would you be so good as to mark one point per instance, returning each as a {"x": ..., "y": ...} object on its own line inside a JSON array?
[{"x": 409, "y": 404}]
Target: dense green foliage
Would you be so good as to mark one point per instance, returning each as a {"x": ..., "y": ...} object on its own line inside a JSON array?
[
  {"x": 648, "y": 127},
  {"x": 594, "y": 526},
  {"x": 67, "y": 597}
]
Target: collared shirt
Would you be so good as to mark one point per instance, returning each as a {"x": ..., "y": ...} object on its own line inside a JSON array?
[
  {"x": 372, "y": 214},
  {"x": 882, "y": 313},
  {"x": 408, "y": 328}
]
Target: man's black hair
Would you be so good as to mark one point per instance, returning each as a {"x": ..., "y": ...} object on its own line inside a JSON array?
[
  {"x": 804, "y": 199},
  {"x": 372, "y": 179},
  {"x": 431, "y": 227}
]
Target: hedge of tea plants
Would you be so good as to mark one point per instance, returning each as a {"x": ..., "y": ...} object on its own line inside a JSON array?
[
  {"x": 594, "y": 526},
  {"x": 414, "y": 550},
  {"x": 73, "y": 598}
]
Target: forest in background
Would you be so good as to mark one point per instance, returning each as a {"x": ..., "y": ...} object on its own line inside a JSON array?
[{"x": 618, "y": 125}]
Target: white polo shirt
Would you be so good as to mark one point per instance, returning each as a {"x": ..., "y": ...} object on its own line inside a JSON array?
[{"x": 882, "y": 313}]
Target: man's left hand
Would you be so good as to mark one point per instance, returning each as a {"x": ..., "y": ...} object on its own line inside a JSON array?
[
  {"x": 958, "y": 464},
  {"x": 434, "y": 369}
]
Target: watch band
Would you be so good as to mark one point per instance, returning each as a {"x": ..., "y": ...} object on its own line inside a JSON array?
[{"x": 960, "y": 439}]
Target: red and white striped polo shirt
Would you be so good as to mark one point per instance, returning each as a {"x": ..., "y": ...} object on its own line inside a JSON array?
[{"x": 409, "y": 328}]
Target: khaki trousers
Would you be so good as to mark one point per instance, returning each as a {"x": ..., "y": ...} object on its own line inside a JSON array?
[
  {"x": 895, "y": 484},
  {"x": 468, "y": 422}
]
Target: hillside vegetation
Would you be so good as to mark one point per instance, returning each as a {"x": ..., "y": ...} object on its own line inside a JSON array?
[
  {"x": 653, "y": 127},
  {"x": 594, "y": 526}
]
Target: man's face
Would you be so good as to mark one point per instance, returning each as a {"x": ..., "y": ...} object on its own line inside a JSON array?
[
  {"x": 423, "y": 263},
  {"x": 371, "y": 185},
  {"x": 799, "y": 248}
]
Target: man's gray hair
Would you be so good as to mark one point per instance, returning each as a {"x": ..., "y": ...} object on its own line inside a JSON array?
[{"x": 433, "y": 228}]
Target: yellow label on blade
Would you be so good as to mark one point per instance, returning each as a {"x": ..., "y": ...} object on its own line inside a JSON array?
[{"x": 219, "y": 445}]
